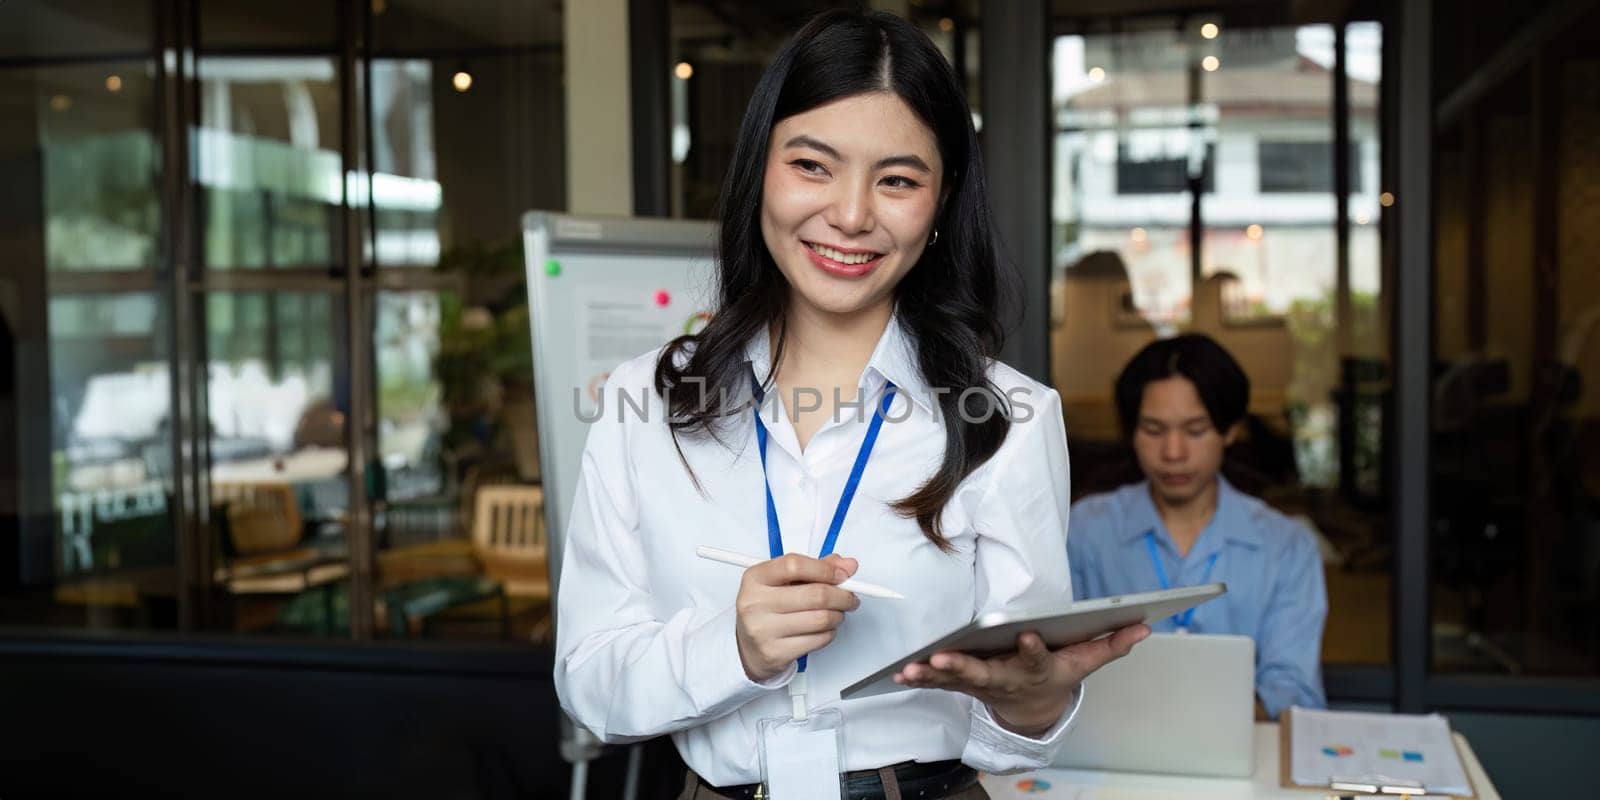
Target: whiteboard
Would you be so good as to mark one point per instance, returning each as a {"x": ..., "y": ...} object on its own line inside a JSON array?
[{"x": 601, "y": 290}]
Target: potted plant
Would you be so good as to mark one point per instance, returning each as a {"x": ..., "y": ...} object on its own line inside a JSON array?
[{"x": 485, "y": 361}]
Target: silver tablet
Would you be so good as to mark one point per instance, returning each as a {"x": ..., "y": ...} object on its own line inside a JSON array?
[{"x": 1059, "y": 626}]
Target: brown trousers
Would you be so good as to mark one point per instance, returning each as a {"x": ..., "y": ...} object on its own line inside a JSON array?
[{"x": 696, "y": 789}]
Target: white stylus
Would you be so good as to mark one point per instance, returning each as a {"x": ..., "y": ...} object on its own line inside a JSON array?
[{"x": 741, "y": 560}]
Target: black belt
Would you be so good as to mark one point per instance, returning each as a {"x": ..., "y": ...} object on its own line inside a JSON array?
[{"x": 917, "y": 780}]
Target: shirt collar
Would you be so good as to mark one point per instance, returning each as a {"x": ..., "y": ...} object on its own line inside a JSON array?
[
  {"x": 893, "y": 359},
  {"x": 1138, "y": 512},
  {"x": 1230, "y": 520},
  {"x": 1233, "y": 518}
]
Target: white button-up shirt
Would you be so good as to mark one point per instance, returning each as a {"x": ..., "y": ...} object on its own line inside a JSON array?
[{"x": 645, "y": 631}]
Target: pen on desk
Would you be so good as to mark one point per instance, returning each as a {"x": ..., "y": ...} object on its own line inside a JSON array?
[{"x": 741, "y": 560}]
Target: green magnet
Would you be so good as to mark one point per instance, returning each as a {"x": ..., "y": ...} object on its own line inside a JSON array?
[{"x": 552, "y": 267}]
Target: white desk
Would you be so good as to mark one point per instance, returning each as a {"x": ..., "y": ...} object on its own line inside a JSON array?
[{"x": 1077, "y": 784}]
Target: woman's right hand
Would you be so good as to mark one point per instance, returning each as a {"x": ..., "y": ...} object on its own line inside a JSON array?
[{"x": 788, "y": 607}]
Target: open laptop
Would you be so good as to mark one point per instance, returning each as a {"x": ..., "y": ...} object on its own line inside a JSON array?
[{"x": 1179, "y": 703}]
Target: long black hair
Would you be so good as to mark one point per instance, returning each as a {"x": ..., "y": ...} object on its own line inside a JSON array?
[{"x": 949, "y": 302}]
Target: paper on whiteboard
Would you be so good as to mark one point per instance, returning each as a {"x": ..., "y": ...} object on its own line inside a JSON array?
[
  {"x": 616, "y": 323},
  {"x": 1359, "y": 746}
]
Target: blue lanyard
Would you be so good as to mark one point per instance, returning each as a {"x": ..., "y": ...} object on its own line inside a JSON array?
[
  {"x": 774, "y": 532},
  {"x": 1180, "y": 620}
]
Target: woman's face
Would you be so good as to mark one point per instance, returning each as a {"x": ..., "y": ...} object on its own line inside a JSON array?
[{"x": 851, "y": 192}]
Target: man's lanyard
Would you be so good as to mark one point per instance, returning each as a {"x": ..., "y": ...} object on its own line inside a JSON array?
[
  {"x": 774, "y": 533},
  {"x": 1180, "y": 620}
]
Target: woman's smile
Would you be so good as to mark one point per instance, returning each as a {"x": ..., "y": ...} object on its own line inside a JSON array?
[{"x": 843, "y": 262}]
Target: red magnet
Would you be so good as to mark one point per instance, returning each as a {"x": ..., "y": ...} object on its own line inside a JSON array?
[{"x": 662, "y": 298}]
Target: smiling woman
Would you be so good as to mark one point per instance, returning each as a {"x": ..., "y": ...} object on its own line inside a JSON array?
[
  {"x": 859, "y": 299},
  {"x": 852, "y": 191},
  {"x": 858, "y": 138}
]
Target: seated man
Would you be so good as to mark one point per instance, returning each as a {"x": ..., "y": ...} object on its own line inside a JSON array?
[{"x": 1180, "y": 402}]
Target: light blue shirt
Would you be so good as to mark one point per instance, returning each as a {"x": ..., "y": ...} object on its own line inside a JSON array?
[{"x": 1271, "y": 565}]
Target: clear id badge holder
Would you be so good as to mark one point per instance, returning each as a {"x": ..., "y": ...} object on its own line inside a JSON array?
[{"x": 802, "y": 755}]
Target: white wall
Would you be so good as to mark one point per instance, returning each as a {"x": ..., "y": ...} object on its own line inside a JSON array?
[{"x": 599, "y": 117}]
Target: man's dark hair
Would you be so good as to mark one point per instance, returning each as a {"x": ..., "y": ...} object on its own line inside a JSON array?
[{"x": 1217, "y": 378}]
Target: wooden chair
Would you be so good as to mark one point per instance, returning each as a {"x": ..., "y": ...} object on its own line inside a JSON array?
[
  {"x": 509, "y": 537},
  {"x": 497, "y": 472},
  {"x": 262, "y": 517}
]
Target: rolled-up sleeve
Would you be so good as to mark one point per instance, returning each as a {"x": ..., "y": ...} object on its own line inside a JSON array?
[
  {"x": 1288, "y": 670},
  {"x": 1021, "y": 560},
  {"x": 620, "y": 671}
]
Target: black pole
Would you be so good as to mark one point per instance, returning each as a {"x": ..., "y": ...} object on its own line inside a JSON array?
[
  {"x": 1413, "y": 346},
  {"x": 1016, "y": 152},
  {"x": 649, "y": 59}
]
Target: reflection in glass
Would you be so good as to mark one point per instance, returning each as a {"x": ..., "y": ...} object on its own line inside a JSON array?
[
  {"x": 467, "y": 129},
  {"x": 85, "y": 484},
  {"x": 1368, "y": 337},
  {"x": 276, "y": 403},
  {"x": 455, "y": 170},
  {"x": 112, "y": 437},
  {"x": 272, "y": 395},
  {"x": 92, "y": 127},
  {"x": 411, "y": 419},
  {"x": 467, "y": 134},
  {"x": 1120, "y": 212},
  {"x": 1125, "y": 153},
  {"x": 267, "y": 156},
  {"x": 1269, "y": 247},
  {"x": 405, "y": 189},
  {"x": 454, "y": 398},
  {"x": 1151, "y": 142},
  {"x": 1515, "y": 534}
]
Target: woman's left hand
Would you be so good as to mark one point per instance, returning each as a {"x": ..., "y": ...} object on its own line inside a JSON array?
[{"x": 1026, "y": 691}]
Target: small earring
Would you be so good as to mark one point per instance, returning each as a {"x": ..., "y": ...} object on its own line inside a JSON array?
[{"x": 935, "y": 239}]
